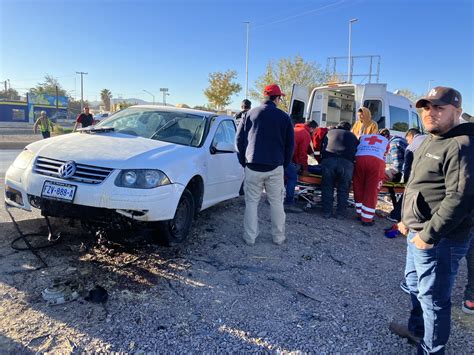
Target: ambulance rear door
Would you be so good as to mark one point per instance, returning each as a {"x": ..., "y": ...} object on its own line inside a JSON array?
[{"x": 298, "y": 102}]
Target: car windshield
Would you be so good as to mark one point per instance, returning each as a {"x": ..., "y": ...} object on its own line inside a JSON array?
[{"x": 174, "y": 127}]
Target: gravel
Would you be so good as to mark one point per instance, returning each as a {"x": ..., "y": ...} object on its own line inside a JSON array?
[{"x": 333, "y": 287}]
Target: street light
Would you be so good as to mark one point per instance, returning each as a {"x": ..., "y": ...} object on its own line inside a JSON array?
[
  {"x": 165, "y": 92},
  {"x": 349, "y": 66},
  {"x": 149, "y": 93},
  {"x": 247, "y": 62}
]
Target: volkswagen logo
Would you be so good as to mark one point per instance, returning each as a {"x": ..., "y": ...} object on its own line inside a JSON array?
[{"x": 67, "y": 170}]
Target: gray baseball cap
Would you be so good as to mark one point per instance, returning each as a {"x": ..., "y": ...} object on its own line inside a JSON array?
[{"x": 441, "y": 96}]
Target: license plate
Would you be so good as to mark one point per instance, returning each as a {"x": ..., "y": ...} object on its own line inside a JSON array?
[{"x": 58, "y": 191}]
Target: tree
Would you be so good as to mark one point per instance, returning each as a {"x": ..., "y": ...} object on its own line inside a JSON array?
[
  {"x": 285, "y": 73},
  {"x": 48, "y": 87},
  {"x": 203, "y": 108},
  {"x": 106, "y": 96},
  {"x": 10, "y": 94},
  {"x": 124, "y": 104},
  {"x": 221, "y": 88},
  {"x": 409, "y": 94}
]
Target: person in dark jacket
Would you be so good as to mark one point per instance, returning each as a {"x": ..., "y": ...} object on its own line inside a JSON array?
[
  {"x": 414, "y": 139},
  {"x": 338, "y": 153},
  {"x": 245, "y": 107},
  {"x": 395, "y": 156},
  {"x": 265, "y": 142},
  {"x": 436, "y": 217}
]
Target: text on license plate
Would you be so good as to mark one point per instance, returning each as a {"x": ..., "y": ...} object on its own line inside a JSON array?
[{"x": 57, "y": 190}]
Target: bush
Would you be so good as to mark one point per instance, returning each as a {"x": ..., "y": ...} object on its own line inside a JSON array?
[{"x": 58, "y": 130}]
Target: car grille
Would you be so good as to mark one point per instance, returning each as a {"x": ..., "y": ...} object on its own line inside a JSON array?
[{"x": 84, "y": 173}]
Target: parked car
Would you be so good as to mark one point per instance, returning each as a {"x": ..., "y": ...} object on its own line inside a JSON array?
[
  {"x": 100, "y": 116},
  {"x": 151, "y": 165},
  {"x": 58, "y": 116}
]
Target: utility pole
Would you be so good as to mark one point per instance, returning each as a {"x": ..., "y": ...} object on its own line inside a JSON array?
[
  {"x": 82, "y": 88},
  {"x": 165, "y": 92},
  {"x": 247, "y": 62},
  {"x": 57, "y": 99},
  {"x": 349, "y": 66}
]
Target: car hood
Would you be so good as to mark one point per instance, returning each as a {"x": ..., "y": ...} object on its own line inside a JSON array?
[{"x": 111, "y": 150}]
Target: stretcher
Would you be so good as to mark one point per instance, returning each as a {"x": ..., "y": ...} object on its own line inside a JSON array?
[{"x": 308, "y": 187}]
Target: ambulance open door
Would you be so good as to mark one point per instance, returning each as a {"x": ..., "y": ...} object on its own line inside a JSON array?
[{"x": 298, "y": 102}]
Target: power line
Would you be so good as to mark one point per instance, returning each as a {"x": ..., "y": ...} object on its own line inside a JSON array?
[{"x": 301, "y": 14}]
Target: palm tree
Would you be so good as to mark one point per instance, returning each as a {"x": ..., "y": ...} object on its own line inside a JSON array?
[{"x": 106, "y": 96}]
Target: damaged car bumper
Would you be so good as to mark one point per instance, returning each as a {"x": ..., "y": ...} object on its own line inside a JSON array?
[{"x": 26, "y": 189}]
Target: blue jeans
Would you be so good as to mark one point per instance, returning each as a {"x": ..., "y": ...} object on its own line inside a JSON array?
[
  {"x": 469, "y": 291},
  {"x": 291, "y": 174},
  {"x": 337, "y": 172},
  {"x": 430, "y": 276}
]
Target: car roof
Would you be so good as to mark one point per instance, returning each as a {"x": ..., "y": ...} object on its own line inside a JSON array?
[{"x": 176, "y": 109}]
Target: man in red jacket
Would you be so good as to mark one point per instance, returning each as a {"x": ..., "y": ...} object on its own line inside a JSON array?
[
  {"x": 318, "y": 138},
  {"x": 303, "y": 132}
]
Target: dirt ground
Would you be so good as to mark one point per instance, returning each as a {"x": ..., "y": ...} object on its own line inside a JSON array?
[{"x": 332, "y": 287}]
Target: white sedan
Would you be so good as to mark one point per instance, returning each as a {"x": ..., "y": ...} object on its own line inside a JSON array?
[{"x": 145, "y": 164}]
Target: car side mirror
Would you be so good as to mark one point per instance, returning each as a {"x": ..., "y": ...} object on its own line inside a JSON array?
[{"x": 223, "y": 147}]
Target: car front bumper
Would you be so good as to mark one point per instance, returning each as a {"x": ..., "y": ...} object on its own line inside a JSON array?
[{"x": 23, "y": 189}]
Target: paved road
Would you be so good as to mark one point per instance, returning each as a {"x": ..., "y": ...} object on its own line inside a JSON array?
[{"x": 7, "y": 156}]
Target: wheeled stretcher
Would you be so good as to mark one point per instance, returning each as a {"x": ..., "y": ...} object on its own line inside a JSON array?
[{"x": 308, "y": 188}]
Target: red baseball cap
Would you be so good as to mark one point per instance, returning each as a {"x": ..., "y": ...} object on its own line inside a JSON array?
[{"x": 272, "y": 90}]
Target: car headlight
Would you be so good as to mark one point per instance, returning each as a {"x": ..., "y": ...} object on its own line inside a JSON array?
[
  {"x": 141, "y": 179},
  {"x": 23, "y": 159}
]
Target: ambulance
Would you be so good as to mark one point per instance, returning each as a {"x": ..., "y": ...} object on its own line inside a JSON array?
[{"x": 330, "y": 104}]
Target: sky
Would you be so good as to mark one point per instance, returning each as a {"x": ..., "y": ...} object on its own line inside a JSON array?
[{"x": 130, "y": 46}]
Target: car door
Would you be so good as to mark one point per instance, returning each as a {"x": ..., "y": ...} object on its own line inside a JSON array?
[{"x": 224, "y": 174}]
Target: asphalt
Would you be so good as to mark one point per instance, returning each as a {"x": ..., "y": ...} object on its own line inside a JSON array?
[{"x": 13, "y": 145}]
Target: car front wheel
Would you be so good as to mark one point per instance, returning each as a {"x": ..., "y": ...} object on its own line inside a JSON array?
[{"x": 177, "y": 229}]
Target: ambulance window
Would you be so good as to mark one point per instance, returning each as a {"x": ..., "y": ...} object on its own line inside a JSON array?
[
  {"x": 415, "y": 120},
  {"x": 375, "y": 108},
  {"x": 399, "y": 119},
  {"x": 297, "y": 111}
]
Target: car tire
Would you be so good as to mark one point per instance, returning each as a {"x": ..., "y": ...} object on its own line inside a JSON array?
[{"x": 177, "y": 229}]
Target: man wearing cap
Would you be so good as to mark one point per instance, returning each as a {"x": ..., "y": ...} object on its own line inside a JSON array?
[
  {"x": 436, "y": 217},
  {"x": 85, "y": 119},
  {"x": 265, "y": 141}
]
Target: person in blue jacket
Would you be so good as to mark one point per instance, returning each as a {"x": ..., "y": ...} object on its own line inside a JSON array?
[{"x": 265, "y": 142}]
